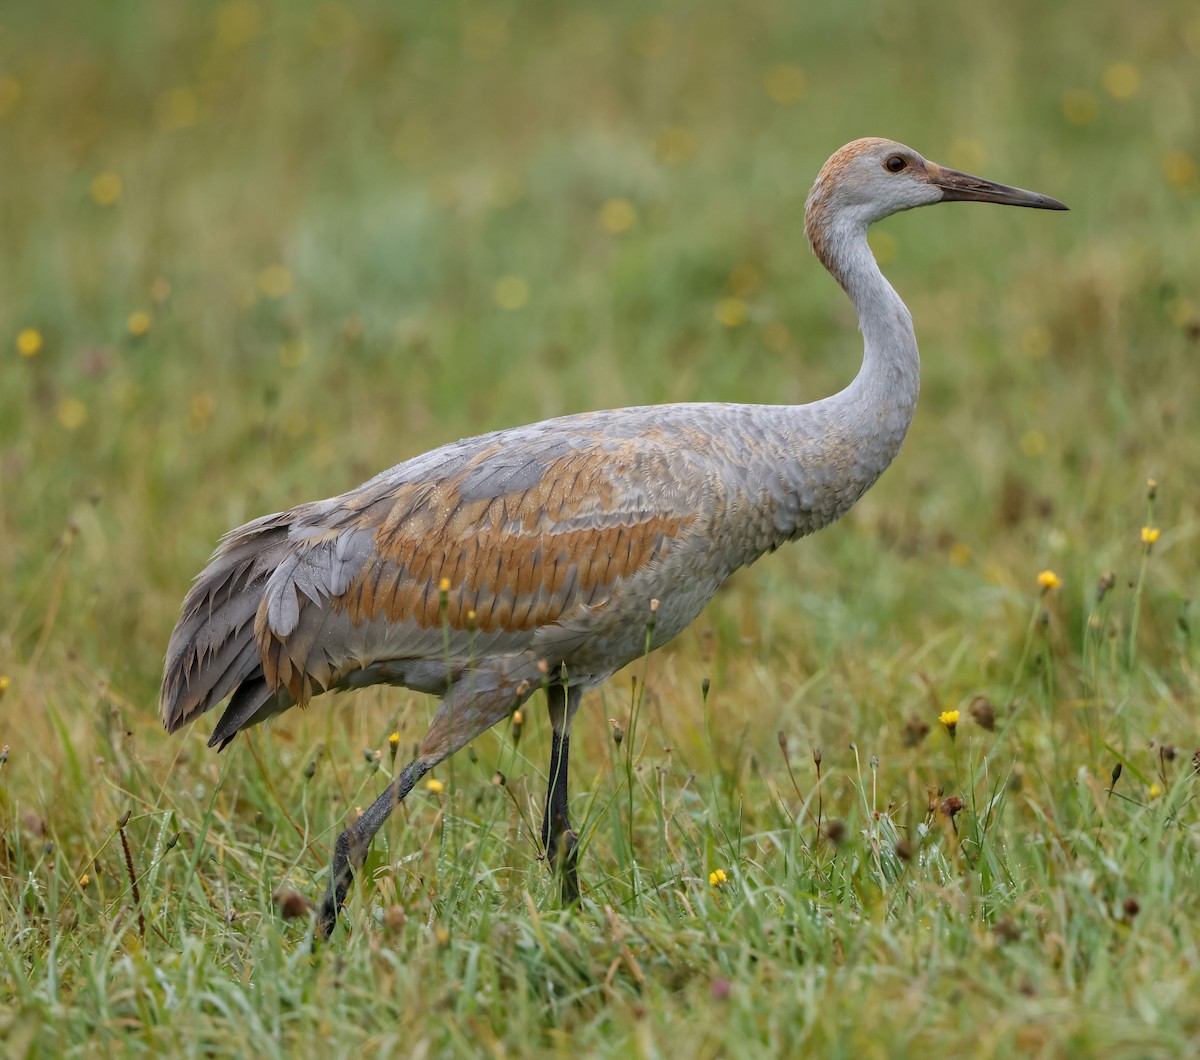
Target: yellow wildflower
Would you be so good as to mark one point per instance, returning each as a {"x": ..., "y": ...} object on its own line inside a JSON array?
[
  {"x": 1121, "y": 80},
  {"x": 1155, "y": 791},
  {"x": 84, "y": 880},
  {"x": 10, "y": 92},
  {"x": 138, "y": 323},
  {"x": 518, "y": 717},
  {"x": 1048, "y": 580},
  {"x": 1033, "y": 443},
  {"x": 293, "y": 353},
  {"x": 106, "y": 188},
  {"x": 731, "y": 312},
  {"x": 717, "y": 877},
  {"x": 434, "y": 786},
  {"x": 675, "y": 145},
  {"x": 511, "y": 292},
  {"x": 617, "y": 216},
  {"x": 275, "y": 281},
  {"x": 238, "y": 21},
  {"x": 785, "y": 84},
  {"x": 949, "y": 718},
  {"x": 1179, "y": 168},
  {"x": 960, "y": 554},
  {"x": 29, "y": 342},
  {"x": 1080, "y": 107},
  {"x": 71, "y": 413},
  {"x": 884, "y": 246},
  {"x": 394, "y": 741},
  {"x": 1150, "y": 534},
  {"x": 177, "y": 108}
]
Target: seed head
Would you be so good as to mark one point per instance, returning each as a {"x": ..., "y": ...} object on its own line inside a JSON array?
[
  {"x": 952, "y": 806},
  {"x": 983, "y": 713},
  {"x": 1006, "y": 931},
  {"x": 291, "y": 904}
]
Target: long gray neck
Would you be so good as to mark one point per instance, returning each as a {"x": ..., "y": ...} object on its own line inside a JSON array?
[
  {"x": 877, "y": 407},
  {"x": 836, "y": 448}
]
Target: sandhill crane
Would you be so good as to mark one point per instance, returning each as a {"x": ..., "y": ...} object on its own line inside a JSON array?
[{"x": 533, "y": 557}]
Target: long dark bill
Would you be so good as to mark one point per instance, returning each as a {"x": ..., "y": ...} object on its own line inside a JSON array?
[{"x": 962, "y": 187}]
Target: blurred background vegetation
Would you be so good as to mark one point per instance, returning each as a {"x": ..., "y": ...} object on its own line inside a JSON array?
[{"x": 255, "y": 252}]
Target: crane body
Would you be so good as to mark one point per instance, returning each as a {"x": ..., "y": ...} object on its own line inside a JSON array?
[{"x": 546, "y": 555}]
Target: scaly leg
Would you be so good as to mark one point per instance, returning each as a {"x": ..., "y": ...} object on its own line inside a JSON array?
[
  {"x": 466, "y": 711},
  {"x": 556, "y": 828}
]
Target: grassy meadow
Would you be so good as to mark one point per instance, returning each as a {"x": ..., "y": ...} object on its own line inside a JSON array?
[{"x": 255, "y": 252}]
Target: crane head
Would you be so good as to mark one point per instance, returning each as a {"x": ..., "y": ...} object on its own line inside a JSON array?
[{"x": 873, "y": 178}]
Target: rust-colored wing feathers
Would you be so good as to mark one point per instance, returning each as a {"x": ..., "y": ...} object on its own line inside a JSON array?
[{"x": 521, "y": 540}]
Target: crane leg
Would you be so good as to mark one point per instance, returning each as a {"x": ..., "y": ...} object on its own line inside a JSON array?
[
  {"x": 468, "y": 708},
  {"x": 557, "y": 837}
]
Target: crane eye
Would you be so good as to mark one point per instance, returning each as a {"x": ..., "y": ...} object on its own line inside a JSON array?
[{"x": 895, "y": 164}]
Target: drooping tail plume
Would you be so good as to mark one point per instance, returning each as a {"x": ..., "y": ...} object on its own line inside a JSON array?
[{"x": 213, "y": 651}]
